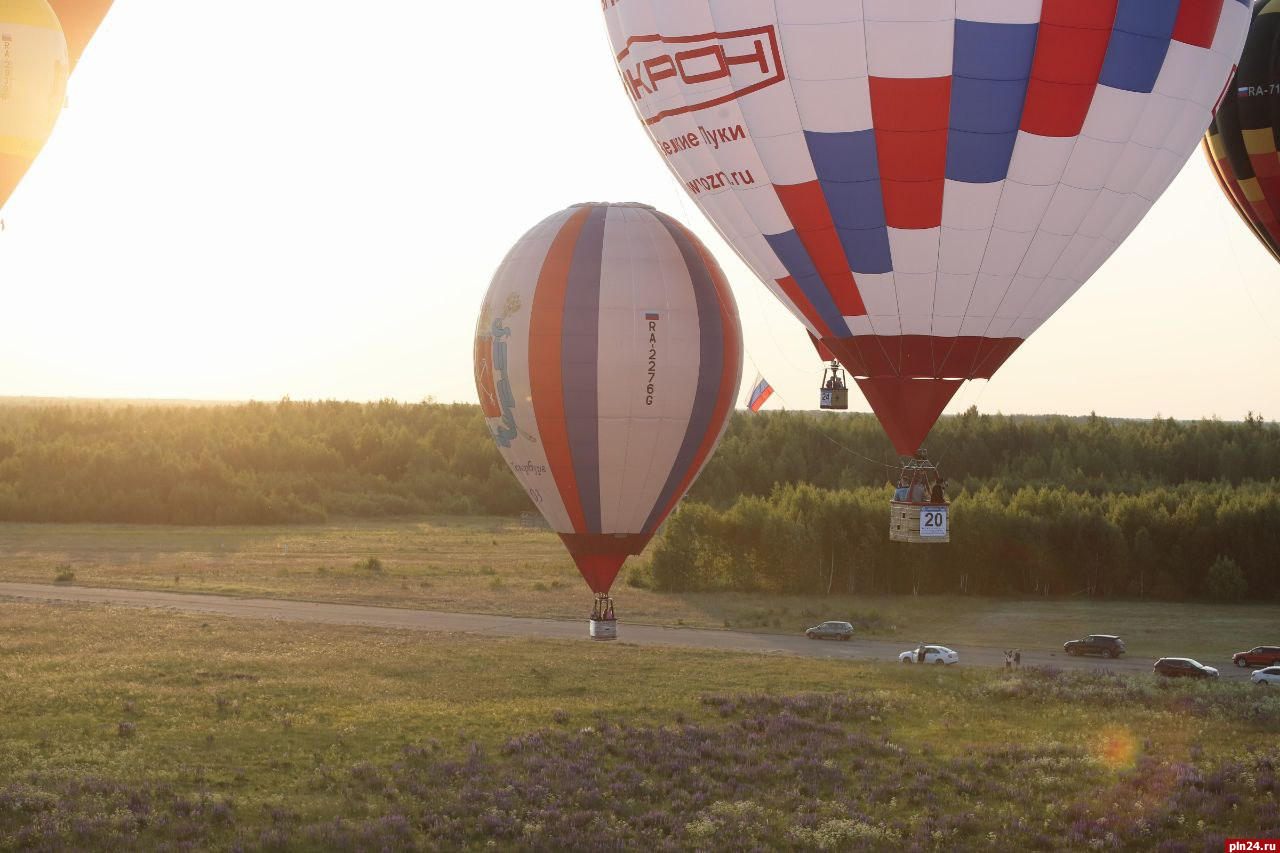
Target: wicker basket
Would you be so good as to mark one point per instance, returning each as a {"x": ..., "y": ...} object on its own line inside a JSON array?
[{"x": 904, "y": 523}]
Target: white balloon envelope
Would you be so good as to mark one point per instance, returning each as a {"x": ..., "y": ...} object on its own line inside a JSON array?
[{"x": 924, "y": 183}]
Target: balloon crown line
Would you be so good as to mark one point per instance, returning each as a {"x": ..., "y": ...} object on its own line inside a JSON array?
[{"x": 613, "y": 204}]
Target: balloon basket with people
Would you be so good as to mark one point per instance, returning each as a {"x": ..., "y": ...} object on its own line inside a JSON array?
[
  {"x": 919, "y": 512},
  {"x": 603, "y": 624},
  {"x": 834, "y": 393}
]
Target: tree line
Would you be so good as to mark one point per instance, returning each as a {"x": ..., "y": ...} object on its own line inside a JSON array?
[
  {"x": 1089, "y": 454},
  {"x": 790, "y": 502},
  {"x": 1214, "y": 541},
  {"x": 256, "y": 463},
  {"x": 797, "y": 502}
]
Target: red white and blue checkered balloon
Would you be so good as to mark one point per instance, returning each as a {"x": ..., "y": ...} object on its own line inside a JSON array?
[{"x": 924, "y": 182}]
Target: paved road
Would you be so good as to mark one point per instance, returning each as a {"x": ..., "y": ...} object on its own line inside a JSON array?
[{"x": 509, "y": 626}]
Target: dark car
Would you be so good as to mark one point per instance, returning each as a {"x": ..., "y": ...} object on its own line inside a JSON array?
[
  {"x": 1184, "y": 668},
  {"x": 830, "y": 631},
  {"x": 1107, "y": 645},
  {"x": 1257, "y": 657}
]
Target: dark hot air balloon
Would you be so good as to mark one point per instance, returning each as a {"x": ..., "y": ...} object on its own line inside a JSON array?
[{"x": 1241, "y": 143}]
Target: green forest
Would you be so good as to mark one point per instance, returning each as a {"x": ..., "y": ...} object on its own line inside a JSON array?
[
  {"x": 256, "y": 463},
  {"x": 792, "y": 502}
]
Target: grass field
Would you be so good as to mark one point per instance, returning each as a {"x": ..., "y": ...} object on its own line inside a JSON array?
[
  {"x": 125, "y": 729},
  {"x": 506, "y": 567}
]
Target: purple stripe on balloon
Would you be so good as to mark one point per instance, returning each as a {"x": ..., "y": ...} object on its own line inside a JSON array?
[
  {"x": 710, "y": 365},
  {"x": 580, "y": 357}
]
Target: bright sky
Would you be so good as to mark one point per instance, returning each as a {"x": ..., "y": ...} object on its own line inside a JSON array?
[{"x": 260, "y": 198}]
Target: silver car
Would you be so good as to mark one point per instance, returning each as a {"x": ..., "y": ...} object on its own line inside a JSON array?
[{"x": 1270, "y": 675}]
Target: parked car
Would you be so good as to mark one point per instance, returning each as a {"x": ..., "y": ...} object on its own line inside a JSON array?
[
  {"x": 932, "y": 654},
  {"x": 1270, "y": 675},
  {"x": 1107, "y": 645},
  {"x": 1257, "y": 656},
  {"x": 1184, "y": 668},
  {"x": 830, "y": 631}
]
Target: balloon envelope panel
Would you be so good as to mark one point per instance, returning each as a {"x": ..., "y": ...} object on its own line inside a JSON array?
[
  {"x": 923, "y": 184},
  {"x": 33, "y": 80},
  {"x": 607, "y": 357},
  {"x": 1242, "y": 141},
  {"x": 80, "y": 20}
]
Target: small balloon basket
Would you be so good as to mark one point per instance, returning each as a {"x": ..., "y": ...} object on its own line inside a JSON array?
[
  {"x": 603, "y": 624},
  {"x": 834, "y": 393}
]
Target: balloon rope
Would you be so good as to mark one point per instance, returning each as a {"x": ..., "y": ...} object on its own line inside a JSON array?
[
  {"x": 760, "y": 373},
  {"x": 986, "y": 383},
  {"x": 853, "y": 452}
]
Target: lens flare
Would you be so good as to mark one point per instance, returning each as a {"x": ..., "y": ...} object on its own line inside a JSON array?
[{"x": 1116, "y": 747}]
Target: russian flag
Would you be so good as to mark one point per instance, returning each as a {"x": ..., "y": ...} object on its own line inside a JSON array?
[{"x": 761, "y": 391}]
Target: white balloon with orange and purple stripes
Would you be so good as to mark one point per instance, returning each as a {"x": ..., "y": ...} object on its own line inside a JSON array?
[{"x": 607, "y": 358}]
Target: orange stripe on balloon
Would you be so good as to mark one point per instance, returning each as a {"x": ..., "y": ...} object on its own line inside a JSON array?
[
  {"x": 546, "y": 381},
  {"x": 80, "y": 20},
  {"x": 12, "y": 169}
]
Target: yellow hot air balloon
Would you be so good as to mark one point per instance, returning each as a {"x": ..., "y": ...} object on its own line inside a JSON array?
[
  {"x": 80, "y": 20},
  {"x": 33, "y": 83}
]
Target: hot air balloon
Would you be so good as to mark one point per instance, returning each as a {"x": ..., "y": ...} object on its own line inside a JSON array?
[
  {"x": 33, "y": 81},
  {"x": 1241, "y": 142},
  {"x": 607, "y": 357},
  {"x": 923, "y": 184},
  {"x": 80, "y": 20}
]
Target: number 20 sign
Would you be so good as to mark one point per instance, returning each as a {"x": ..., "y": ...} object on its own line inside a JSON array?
[{"x": 933, "y": 521}]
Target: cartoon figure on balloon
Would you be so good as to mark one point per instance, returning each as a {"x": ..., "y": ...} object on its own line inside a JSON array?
[{"x": 496, "y": 399}]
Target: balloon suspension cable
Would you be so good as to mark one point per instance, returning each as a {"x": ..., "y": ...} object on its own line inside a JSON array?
[
  {"x": 921, "y": 471},
  {"x": 602, "y": 610},
  {"x": 1265, "y": 321},
  {"x": 853, "y": 452},
  {"x": 986, "y": 383}
]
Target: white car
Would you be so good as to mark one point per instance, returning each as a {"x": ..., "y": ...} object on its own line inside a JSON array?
[
  {"x": 1270, "y": 675},
  {"x": 932, "y": 654}
]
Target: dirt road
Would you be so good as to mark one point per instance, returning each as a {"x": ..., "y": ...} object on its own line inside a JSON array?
[{"x": 506, "y": 626}]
